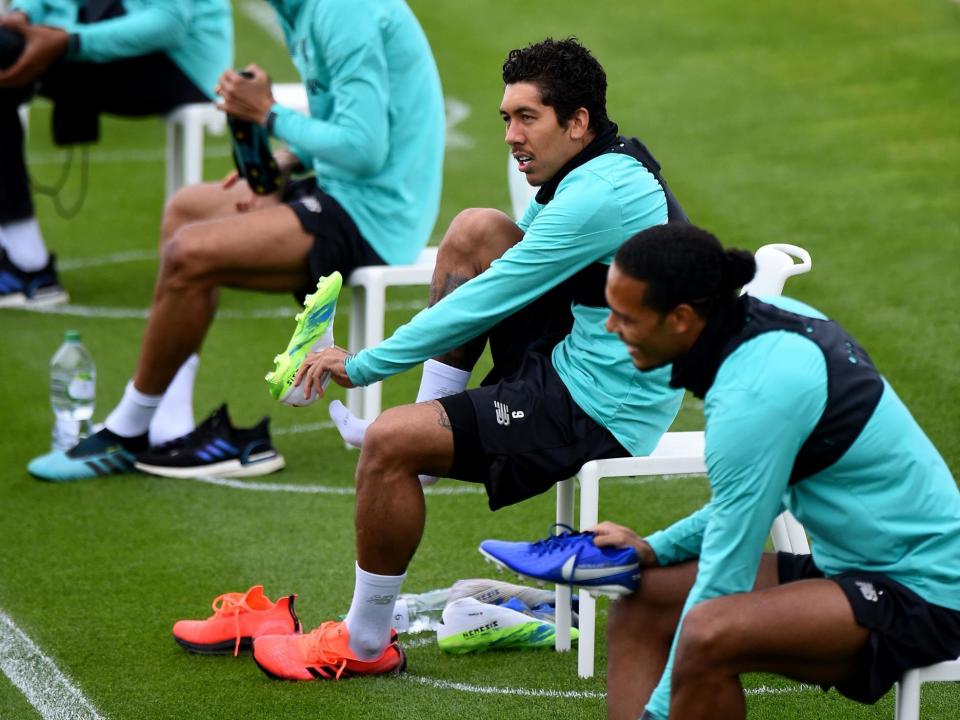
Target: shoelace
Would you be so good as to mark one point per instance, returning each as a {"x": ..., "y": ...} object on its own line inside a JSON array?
[
  {"x": 231, "y": 603},
  {"x": 318, "y": 648},
  {"x": 557, "y": 541}
]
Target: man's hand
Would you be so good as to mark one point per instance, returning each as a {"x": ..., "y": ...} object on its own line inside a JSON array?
[
  {"x": 44, "y": 46},
  {"x": 246, "y": 98},
  {"x": 287, "y": 162},
  {"x": 316, "y": 365},
  {"x": 610, "y": 534}
]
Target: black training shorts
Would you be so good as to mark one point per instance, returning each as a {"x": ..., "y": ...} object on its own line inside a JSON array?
[
  {"x": 338, "y": 243},
  {"x": 523, "y": 434},
  {"x": 906, "y": 631}
]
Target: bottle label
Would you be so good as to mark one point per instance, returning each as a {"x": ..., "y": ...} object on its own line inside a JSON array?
[
  {"x": 401, "y": 615},
  {"x": 82, "y": 389}
]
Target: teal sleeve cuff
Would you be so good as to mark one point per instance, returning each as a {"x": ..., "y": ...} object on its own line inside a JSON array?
[
  {"x": 661, "y": 547},
  {"x": 353, "y": 372}
]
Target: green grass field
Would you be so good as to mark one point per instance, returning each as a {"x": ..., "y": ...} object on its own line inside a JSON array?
[{"x": 831, "y": 125}]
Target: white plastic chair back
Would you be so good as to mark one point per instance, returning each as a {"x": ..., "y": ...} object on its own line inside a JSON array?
[{"x": 775, "y": 263}]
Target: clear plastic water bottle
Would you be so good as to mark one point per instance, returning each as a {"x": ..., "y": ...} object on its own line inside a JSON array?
[
  {"x": 417, "y": 613},
  {"x": 73, "y": 383}
]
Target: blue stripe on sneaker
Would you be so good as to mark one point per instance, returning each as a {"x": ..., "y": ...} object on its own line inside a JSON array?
[
  {"x": 224, "y": 445},
  {"x": 9, "y": 283},
  {"x": 95, "y": 466}
]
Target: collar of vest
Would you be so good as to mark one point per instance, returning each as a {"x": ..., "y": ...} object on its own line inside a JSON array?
[
  {"x": 697, "y": 370},
  {"x": 597, "y": 147}
]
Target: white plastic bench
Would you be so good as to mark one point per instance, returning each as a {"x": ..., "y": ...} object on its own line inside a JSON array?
[
  {"x": 368, "y": 301},
  {"x": 907, "y": 705}
]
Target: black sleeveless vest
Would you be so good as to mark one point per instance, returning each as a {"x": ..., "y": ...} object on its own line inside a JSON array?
[
  {"x": 854, "y": 386},
  {"x": 587, "y": 286}
]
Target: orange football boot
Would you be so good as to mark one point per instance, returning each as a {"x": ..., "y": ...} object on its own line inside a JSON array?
[
  {"x": 237, "y": 619},
  {"x": 323, "y": 654}
]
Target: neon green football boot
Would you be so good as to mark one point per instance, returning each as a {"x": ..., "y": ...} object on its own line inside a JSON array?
[
  {"x": 472, "y": 626},
  {"x": 314, "y": 332}
]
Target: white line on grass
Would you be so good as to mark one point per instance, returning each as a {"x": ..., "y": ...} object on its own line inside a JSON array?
[
  {"x": 262, "y": 15},
  {"x": 571, "y": 694},
  {"x": 34, "y": 674},
  {"x": 446, "y": 489},
  {"x": 124, "y": 256},
  {"x": 127, "y": 313},
  {"x": 462, "y": 489},
  {"x": 493, "y": 690},
  {"x": 304, "y": 428}
]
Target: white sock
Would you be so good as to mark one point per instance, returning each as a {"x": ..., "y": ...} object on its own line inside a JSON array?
[
  {"x": 131, "y": 417},
  {"x": 351, "y": 428},
  {"x": 440, "y": 380},
  {"x": 371, "y": 612},
  {"x": 174, "y": 415},
  {"x": 24, "y": 246}
]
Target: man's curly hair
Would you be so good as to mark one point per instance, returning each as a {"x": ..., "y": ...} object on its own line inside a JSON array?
[{"x": 568, "y": 77}]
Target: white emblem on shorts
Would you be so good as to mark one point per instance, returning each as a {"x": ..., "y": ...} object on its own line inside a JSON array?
[
  {"x": 868, "y": 591},
  {"x": 504, "y": 414},
  {"x": 311, "y": 204}
]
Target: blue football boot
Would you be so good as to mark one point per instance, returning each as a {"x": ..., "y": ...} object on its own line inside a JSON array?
[{"x": 569, "y": 558}]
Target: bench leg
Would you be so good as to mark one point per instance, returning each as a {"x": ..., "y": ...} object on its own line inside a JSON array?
[
  {"x": 562, "y": 608},
  {"x": 358, "y": 314},
  {"x": 589, "y": 512},
  {"x": 373, "y": 322}
]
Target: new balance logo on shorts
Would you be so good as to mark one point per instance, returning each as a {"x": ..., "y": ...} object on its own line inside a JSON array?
[
  {"x": 868, "y": 591},
  {"x": 311, "y": 203},
  {"x": 504, "y": 414}
]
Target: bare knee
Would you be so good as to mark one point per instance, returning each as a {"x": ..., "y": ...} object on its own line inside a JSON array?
[
  {"x": 388, "y": 448},
  {"x": 704, "y": 642},
  {"x": 179, "y": 209},
  {"x": 182, "y": 259},
  {"x": 477, "y": 236}
]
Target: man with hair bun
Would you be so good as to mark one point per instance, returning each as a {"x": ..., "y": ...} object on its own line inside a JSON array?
[{"x": 797, "y": 417}]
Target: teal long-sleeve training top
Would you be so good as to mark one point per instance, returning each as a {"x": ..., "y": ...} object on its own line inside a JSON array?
[
  {"x": 375, "y": 135},
  {"x": 196, "y": 34},
  {"x": 595, "y": 208},
  {"x": 889, "y": 505}
]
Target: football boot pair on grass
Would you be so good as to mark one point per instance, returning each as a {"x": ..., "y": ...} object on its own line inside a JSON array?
[
  {"x": 216, "y": 448},
  {"x": 280, "y": 649}
]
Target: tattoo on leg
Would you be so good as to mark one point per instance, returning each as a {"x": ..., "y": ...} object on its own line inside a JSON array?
[
  {"x": 442, "y": 419},
  {"x": 441, "y": 287}
]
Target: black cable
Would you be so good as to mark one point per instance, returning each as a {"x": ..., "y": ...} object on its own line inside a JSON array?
[{"x": 54, "y": 191}]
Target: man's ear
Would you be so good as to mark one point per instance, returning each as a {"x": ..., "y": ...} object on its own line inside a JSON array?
[
  {"x": 579, "y": 124},
  {"x": 683, "y": 318}
]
